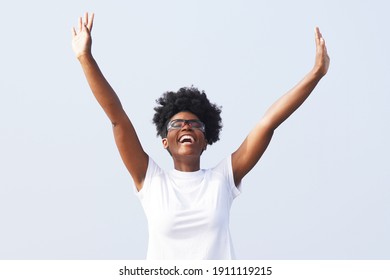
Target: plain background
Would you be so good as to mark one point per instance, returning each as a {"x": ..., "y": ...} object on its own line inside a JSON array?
[{"x": 321, "y": 191}]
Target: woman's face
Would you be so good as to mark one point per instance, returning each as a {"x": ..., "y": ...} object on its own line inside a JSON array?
[{"x": 185, "y": 140}]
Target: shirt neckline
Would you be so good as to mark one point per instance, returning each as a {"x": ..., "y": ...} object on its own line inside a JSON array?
[{"x": 184, "y": 174}]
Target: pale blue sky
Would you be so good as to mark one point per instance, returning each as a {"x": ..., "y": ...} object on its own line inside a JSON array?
[{"x": 321, "y": 191}]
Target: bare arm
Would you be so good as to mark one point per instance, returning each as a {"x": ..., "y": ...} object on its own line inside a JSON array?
[
  {"x": 255, "y": 144},
  {"x": 129, "y": 146}
]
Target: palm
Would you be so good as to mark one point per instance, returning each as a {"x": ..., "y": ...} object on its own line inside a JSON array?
[{"x": 82, "y": 41}]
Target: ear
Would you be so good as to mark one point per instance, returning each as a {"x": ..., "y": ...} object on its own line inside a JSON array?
[
  {"x": 165, "y": 143},
  {"x": 205, "y": 144}
]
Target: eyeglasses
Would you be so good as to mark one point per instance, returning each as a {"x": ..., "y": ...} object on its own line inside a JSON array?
[{"x": 179, "y": 123}]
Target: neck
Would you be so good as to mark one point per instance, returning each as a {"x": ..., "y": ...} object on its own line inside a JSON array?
[{"x": 187, "y": 164}]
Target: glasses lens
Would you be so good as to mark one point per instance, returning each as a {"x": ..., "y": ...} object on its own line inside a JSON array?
[
  {"x": 195, "y": 123},
  {"x": 179, "y": 123}
]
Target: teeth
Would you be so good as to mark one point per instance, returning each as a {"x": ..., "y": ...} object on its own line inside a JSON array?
[{"x": 186, "y": 137}]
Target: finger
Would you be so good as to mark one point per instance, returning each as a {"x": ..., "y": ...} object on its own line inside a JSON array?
[
  {"x": 317, "y": 35},
  {"x": 80, "y": 24},
  {"x": 86, "y": 29},
  {"x": 322, "y": 42},
  {"x": 90, "y": 23},
  {"x": 319, "y": 32},
  {"x": 86, "y": 18},
  {"x": 74, "y": 33},
  {"x": 325, "y": 48}
]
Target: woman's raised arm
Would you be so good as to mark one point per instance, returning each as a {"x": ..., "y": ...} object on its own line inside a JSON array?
[
  {"x": 129, "y": 146},
  {"x": 255, "y": 144}
]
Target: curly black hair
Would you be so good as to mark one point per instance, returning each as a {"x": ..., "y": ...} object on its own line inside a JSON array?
[{"x": 188, "y": 99}]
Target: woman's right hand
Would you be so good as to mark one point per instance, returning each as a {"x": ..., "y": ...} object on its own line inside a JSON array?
[{"x": 82, "y": 40}]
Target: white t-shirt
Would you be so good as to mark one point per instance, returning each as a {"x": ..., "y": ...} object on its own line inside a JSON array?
[{"x": 188, "y": 212}]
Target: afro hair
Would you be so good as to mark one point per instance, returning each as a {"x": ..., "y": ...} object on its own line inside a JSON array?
[{"x": 188, "y": 99}]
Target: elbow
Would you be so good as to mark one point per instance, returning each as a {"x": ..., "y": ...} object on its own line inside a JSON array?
[
  {"x": 117, "y": 117},
  {"x": 114, "y": 123},
  {"x": 119, "y": 120},
  {"x": 268, "y": 126}
]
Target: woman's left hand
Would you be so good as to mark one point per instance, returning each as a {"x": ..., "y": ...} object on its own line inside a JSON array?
[{"x": 322, "y": 61}]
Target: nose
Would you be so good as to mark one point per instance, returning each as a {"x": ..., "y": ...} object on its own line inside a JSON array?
[{"x": 187, "y": 124}]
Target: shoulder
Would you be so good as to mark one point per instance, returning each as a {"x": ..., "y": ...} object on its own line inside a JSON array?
[
  {"x": 223, "y": 167},
  {"x": 153, "y": 171},
  {"x": 224, "y": 171}
]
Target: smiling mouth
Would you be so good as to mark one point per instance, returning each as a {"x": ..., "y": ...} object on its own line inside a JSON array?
[{"x": 186, "y": 139}]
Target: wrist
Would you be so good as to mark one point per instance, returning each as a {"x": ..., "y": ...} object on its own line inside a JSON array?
[
  {"x": 84, "y": 56},
  {"x": 317, "y": 73}
]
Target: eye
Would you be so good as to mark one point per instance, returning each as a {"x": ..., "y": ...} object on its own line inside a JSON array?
[
  {"x": 197, "y": 124},
  {"x": 177, "y": 123}
]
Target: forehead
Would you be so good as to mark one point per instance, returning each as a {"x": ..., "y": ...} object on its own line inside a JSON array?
[{"x": 185, "y": 116}]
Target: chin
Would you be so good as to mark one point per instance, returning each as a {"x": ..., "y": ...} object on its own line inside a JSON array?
[{"x": 189, "y": 152}]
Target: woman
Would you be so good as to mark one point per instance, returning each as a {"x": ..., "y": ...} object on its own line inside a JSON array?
[{"x": 188, "y": 208}]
